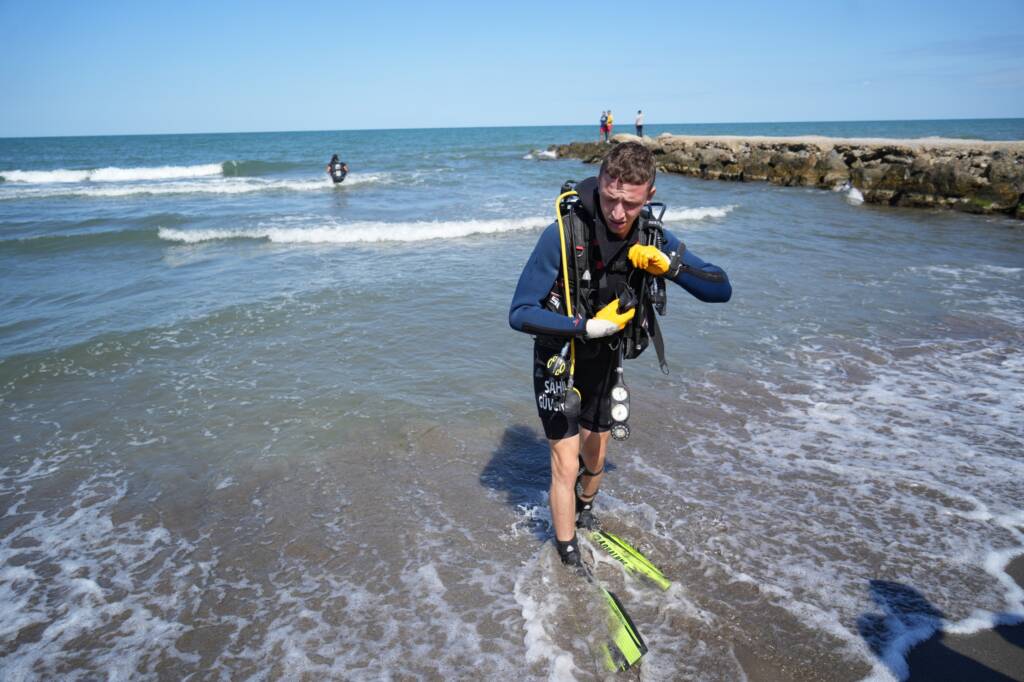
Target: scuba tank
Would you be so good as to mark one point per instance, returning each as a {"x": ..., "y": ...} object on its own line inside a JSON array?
[{"x": 338, "y": 172}]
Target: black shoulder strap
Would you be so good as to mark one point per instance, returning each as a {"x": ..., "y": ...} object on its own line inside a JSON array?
[
  {"x": 652, "y": 234},
  {"x": 580, "y": 282},
  {"x": 659, "y": 343}
]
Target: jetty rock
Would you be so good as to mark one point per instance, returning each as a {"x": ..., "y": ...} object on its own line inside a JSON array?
[{"x": 975, "y": 176}]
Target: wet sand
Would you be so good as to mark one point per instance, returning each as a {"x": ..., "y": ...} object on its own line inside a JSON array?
[{"x": 994, "y": 655}]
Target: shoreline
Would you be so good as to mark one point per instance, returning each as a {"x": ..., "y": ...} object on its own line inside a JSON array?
[
  {"x": 994, "y": 654},
  {"x": 973, "y": 176}
]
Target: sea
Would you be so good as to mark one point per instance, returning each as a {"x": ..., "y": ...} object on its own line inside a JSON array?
[{"x": 259, "y": 427}]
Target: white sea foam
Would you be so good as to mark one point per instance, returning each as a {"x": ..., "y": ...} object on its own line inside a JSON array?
[
  {"x": 970, "y": 275},
  {"x": 853, "y": 195},
  {"x": 963, "y": 283},
  {"x": 82, "y": 554},
  {"x": 872, "y": 461},
  {"x": 538, "y": 608},
  {"x": 113, "y": 174},
  {"x": 697, "y": 213},
  {"x": 541, "y": 155},
  {"x": 366, "y": 231},
  {"x": 892, "y": 441},
  {"x": 368, "y": 178},
  {"x": 210, "y": 186}
]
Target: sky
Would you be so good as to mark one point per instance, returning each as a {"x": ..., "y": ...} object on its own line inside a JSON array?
[{"x": 106, "y": 67}]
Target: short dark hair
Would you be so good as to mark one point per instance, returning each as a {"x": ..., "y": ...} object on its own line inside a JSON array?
[{"x": 630, "y": 162}]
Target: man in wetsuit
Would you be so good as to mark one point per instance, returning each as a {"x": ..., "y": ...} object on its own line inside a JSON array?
[
  {"x": 610, "y": 206},
  {"x": 337, "y": 169}
]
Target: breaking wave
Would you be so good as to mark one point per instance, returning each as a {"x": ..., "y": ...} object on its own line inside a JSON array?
[
  {"x": 113, "y": 174},
  {"x": 215, "y": 185},
  {"x": 227, "y": 169},
  {"x": 256, "y": 168},
  {"x": 360, "y": 231},
  {"x": 698, "y": 213}
]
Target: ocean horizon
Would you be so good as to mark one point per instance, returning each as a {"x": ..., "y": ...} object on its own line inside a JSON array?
[{"x": 1004, "y": 129}]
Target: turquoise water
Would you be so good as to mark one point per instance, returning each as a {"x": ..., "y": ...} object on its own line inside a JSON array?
[{"x": 262, "y": 426}]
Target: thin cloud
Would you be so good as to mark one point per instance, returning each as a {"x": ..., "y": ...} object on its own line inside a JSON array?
[
  {"x": 1002, "y": 78},
  {"x": 1011, "y": 45}
]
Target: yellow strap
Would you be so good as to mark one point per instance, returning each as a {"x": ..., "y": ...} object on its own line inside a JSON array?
[{"x": 565, "y": 275}]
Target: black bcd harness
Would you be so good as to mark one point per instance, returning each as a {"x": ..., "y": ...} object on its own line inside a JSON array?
[{"x": 647, "y": 290}]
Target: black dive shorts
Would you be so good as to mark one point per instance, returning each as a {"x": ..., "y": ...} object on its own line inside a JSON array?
[{"x": 595, "y": 372}]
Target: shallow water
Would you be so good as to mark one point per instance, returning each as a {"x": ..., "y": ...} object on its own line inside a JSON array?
[{"x": 257, "y": 426}]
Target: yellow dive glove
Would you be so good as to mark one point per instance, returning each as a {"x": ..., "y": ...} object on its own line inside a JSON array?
[
  {"x": 608, "y": 320},
  {"x": 649, "y": 258}
]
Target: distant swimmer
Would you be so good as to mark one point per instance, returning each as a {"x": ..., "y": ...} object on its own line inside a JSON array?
[{"x": 337, "y": 169}]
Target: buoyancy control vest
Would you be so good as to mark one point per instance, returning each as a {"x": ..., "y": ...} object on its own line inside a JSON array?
[{"x": 594, "y": 283}]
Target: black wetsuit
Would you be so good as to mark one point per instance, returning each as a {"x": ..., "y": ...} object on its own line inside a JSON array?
[{"x": 595, "y": 359}]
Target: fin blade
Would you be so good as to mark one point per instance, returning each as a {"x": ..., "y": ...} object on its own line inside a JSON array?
[
  {"x": 630, "y": 557},
  {"x": 627, "y": 646}
]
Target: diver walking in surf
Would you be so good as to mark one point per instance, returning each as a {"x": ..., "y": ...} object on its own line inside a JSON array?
[
  {"x": 337, "y": 169},
  {"x": 588, "y": 294}
]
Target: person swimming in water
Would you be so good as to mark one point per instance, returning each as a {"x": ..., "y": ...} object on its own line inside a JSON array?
[{"x": 337, "y": 169}]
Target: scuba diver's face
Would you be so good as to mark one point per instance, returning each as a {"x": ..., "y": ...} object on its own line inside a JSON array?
[{"x": 621, "y": 202}]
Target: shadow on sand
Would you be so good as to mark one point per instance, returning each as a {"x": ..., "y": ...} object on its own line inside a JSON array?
[
  {"x": 520, "y": 468},
  {"x": 906, "y": 613}
]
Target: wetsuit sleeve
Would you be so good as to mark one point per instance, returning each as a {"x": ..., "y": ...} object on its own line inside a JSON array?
[
  {"x": 703, "y": 280},
  {"x": 528, "y": 313}
]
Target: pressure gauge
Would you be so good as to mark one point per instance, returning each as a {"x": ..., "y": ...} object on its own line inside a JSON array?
[{"x": 620, "y": 406}]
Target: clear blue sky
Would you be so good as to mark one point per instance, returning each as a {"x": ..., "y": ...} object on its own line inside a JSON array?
[{"x": 77, "y": 68}]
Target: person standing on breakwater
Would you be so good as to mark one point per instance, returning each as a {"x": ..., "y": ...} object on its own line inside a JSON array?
[
  {"x": 603, "y": 134},
  {"x": 337, "y": 169},
  {"x": 608, "y": 128},
  {"x": 639, "y": 123},
  {"x": 585, "y": 296}
]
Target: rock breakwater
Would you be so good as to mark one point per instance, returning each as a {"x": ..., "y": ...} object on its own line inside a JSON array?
[{"x": 966, "y": 175}]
